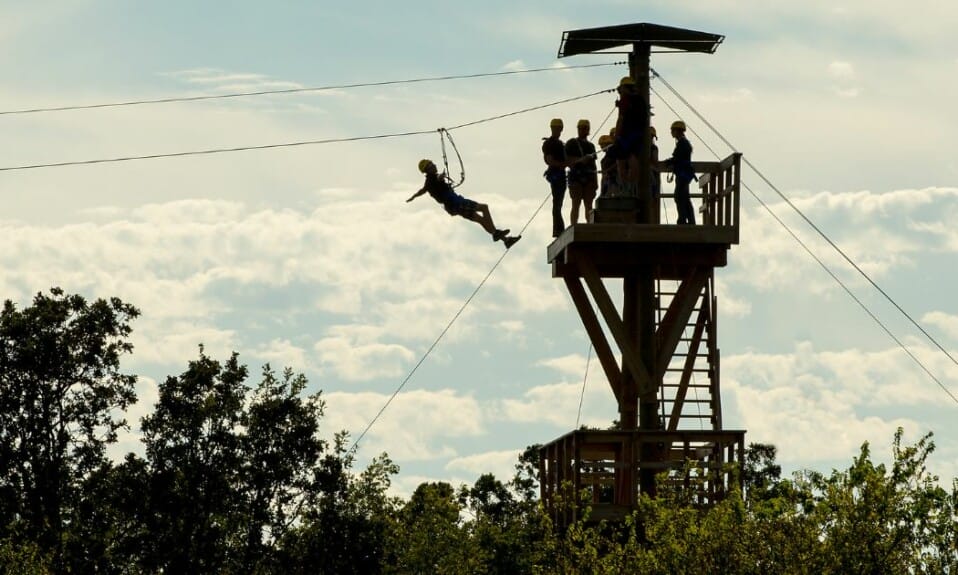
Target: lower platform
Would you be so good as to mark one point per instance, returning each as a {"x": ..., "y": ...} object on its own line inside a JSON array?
[{"x": 608, "y": 468}]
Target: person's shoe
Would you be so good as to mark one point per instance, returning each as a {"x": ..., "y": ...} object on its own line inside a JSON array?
[
  {"x": 499, "y": 234},
  {"x": 510, "y": 240}
]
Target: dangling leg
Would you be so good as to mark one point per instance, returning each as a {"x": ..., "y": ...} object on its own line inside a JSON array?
[{"x": 481, "y": 215}]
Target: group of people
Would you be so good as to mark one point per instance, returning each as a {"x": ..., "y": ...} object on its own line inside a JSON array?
[
  {"x": 620, "y": 167},
  {"x": 620, "y": 163}
]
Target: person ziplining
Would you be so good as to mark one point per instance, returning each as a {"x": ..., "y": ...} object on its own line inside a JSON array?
[{"x": 440, "y": 187}]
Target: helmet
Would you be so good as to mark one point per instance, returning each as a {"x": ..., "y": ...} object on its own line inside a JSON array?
[
  {"x": 652, "y": 132},
  {"x": 583, "y": 123},
  {"x": 605, "y": 140},
  {"x": 627, "y": 81},
  {"x": 423, "y": 164},
  {"x": 555, "y": 123},
  {"x": 678, "y": 125}
]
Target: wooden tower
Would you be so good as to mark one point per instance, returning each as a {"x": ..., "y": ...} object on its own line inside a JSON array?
[{"x": 666, "y": 376}]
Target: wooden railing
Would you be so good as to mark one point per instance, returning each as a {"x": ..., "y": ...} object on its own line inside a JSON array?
[
  {"x": 719, "y": 186},
  {"x": 601, "y": 468}
]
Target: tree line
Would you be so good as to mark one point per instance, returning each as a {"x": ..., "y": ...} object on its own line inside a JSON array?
[{"x": 236, "y": 477}]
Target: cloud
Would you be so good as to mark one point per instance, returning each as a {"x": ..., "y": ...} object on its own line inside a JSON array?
[
  {"x": 552, "y": 403},
  {"x": 948, "y": 323},
  {"x": 281, "y": 353},
  {"x": 819, "y": 406},
  {"x": 569, "y": 365},
  {"x": 352, "y": 354},
  {"x": 841, "y": 70},
  {"x": 500, "y": 463},
  {"x": 418, "y": 425}
]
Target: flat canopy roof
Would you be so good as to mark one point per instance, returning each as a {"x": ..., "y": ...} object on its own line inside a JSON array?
[{"x": 588, "y": 40}]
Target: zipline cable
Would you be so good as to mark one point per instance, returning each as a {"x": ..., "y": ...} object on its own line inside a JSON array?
[
  {"x": 465, "y": 304},
  {"x": 297, "y": 90},
  {"x": 811, "y": 223},
  {"x": 588, "y": 359},
  {"x": 291, "y": 144},
  {"x": 812, "y": 254}
]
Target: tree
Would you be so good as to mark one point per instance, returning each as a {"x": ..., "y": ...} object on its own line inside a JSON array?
[
  {"x": 347, "y": 522},
  {"x": 879, "y": 520},
  {"x": 60, "y": 392}
]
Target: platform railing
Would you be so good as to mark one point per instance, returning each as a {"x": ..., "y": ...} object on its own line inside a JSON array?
[
  {"x": 719, "y": 185},
  {"x": 601, "y": 468}
]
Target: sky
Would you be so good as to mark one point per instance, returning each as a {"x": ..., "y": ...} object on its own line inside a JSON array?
[{"x": 308, "y": 257}]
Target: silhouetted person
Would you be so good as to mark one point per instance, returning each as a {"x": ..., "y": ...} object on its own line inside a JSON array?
[
  {"x": 681, "y": 165},
  {"x": 553, "y": 154},
  {"x": 583, "y": 175},
  {"x": 440, "y": 188}
]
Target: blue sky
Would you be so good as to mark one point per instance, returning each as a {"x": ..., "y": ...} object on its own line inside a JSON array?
[{"x": 308, "y": 257}]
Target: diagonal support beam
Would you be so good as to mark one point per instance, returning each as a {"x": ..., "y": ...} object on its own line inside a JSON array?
[
  {"x": 616, "y": 326},
  {"x": 687, "y": 369},
  {"x": 677, "y": 317},
  {"x": 599, "y": 342}
]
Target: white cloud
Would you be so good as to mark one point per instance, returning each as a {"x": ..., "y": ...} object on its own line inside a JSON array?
[
  {"x": 841, "y": 70},
  {"x": 569, "y": 365},
  {"x": 553, "y": 403},
  {"x": 499, "y": 463},
  {"x": 354, "y": 353},
  {"x": 417, "y": 426},
  {"x": 948, "y": 323},
  {"x": 281, "y": 353}
]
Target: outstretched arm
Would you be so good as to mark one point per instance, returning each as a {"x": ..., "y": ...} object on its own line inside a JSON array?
[{"x": 416, "y": 195}]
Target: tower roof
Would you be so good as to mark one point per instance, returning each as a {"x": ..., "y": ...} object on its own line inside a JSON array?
[{"x": 588, "y": 40}]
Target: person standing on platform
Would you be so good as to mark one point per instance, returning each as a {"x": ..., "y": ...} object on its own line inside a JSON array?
[
  {"x": 628, "y": 131},
  {"x": 610, "y": 177},
  {"x": 681, "y": 166},
  {"x": 553, "y": 154},
  {"x": 440, "y": 188},
  {"x": 583, "y": 175}
]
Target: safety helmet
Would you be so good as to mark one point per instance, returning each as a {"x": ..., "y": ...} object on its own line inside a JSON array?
[
  {"x": 555, "y": 123},
  {"x": 627, "y": 81},
  {"x": 605, "y": 140},
  {"x": 678, "y": 125},
  {"x": 423, "y": 164},
  {"x": 652, "y": 132},
  {"x": 583, "y": 123}
]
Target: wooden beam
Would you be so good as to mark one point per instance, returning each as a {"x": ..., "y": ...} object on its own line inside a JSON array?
[
  {"x": 592, "y": 327},
  {"x": 630, "y": 357},
  {"x": 687, "y": 370},
  {"x": 676, "y": 318}
]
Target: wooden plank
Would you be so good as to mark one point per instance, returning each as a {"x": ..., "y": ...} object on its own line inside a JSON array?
[
  {"x": 600, "y": 344},
  {"x": 715, "y": 358},
  {"x": 630, "y": 357},
  {"x": 629, "y": 235}
]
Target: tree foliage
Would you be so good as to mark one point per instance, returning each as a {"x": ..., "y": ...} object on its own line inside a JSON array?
[{"x": 60, "y": 392}]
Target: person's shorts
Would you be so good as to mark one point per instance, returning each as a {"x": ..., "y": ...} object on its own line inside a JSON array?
[
  {"x": 582, "y": 190},
  {"x": 461, "y": 206}
]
